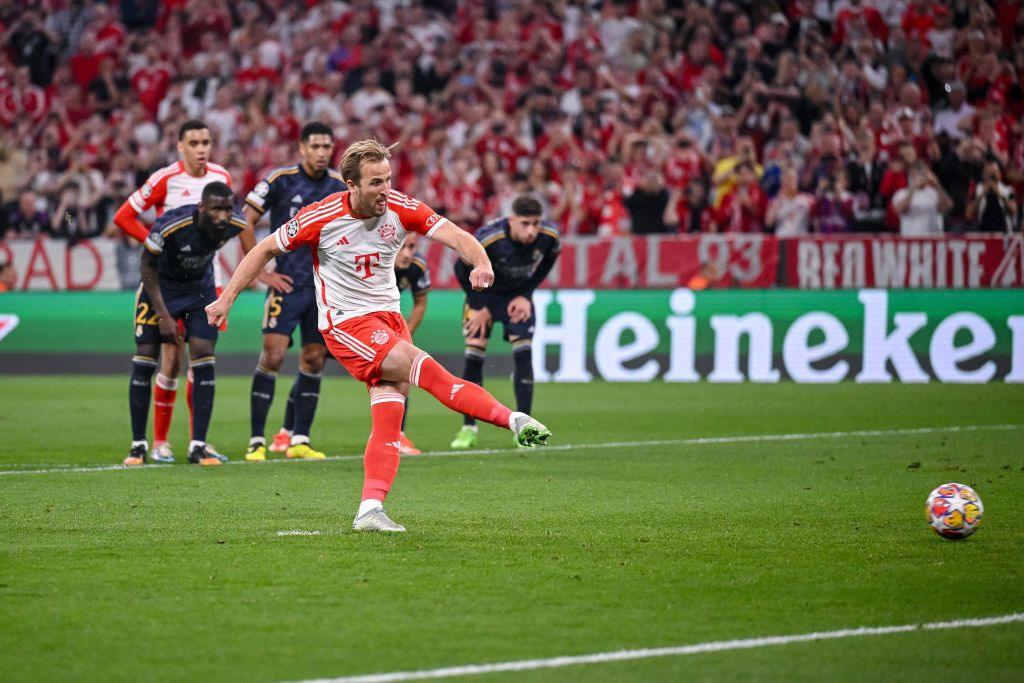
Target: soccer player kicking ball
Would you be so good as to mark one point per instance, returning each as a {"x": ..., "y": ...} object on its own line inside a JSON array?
[
  {"x": 177, "y": 283},
  {"x": 355, "y": 236},
  {"x": 523, "y": 249}
]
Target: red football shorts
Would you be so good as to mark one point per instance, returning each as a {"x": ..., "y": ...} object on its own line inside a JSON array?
[{"x": 361, "y": 344}]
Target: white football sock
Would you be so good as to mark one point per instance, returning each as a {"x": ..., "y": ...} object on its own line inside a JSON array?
[{"x": 367, "y": 505}]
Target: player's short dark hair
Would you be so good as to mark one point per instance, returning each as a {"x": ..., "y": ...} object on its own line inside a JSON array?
[
  {"x": 527, "y": 205},
  {"x": 217, "y": 189},
  {"x": 315, "y": 128},
  {"x": 191, "y": 124}
]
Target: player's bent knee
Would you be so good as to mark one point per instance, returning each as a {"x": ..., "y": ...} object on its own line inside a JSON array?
[
  {"x": 398, "y": 362},
  {"x": 200, "y": 348},
  {"x": 312, "y": 358},
  {"x": 271, "y": 360},
  {"x": 147, "y": 351},
  {"x": 170, "y": 360}
]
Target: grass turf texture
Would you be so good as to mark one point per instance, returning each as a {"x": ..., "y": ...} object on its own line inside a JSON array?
[{"x": 177, "y": 573}]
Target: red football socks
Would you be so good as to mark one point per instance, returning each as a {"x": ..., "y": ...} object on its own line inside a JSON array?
[
  {"x": 460, "y": 395},
  {"x": 188, "y": 400},
  {"x": 164, "y": 392},
  {"x": 380, "y": 461}
]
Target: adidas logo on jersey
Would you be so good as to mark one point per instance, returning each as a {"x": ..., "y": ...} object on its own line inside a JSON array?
[
  {"x": 185, "y": 193},
  {"x": 297, "y": 199},
  {"x": 343, "y": 240},
  {"x": 187, "y": 247}
]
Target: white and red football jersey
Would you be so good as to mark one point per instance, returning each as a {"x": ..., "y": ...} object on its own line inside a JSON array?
[
  {"x": 354, "y": 256},
  {"x": 173, "y": 186}
]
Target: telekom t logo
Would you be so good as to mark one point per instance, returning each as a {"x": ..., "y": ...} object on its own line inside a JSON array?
[{"x": 365, "y": 263}]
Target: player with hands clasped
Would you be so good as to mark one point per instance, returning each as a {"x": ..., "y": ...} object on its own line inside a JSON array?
[{"x": 355, "y": 237}]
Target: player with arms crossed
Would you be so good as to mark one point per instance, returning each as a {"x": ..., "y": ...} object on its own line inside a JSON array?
[
  {"x": 523, "y": 249},
  {"x": 291, "y": 299},
  {"x": 411, "y": 273},
  {"x": 174, "y": 186},
  {"x": 355, "y": 236},
  {"x": 177, "y": 284}
]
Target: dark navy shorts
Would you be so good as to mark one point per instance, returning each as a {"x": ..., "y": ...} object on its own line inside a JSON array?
[
  {"x": 282, "y": 313},
  {"x": 188, "y": 307},
  {"x": 497, "y": 304}
]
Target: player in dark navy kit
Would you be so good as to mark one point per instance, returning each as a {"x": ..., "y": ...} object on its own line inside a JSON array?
[
  {"x": 291, "y": 297},
  {"x": 177, "y": 285},
  {"x": 411, "y": 273},
  {"x": 523, "y": 249}
]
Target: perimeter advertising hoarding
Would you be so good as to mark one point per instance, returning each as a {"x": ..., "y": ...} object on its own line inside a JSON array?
[
  {"x": 650, "y": 262},
  {"x": 642, "y": 335}
]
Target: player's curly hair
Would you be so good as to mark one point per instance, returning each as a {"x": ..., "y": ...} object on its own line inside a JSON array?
[{"x": 357, "y": 153}]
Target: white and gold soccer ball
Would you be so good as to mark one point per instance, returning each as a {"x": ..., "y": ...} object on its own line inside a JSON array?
[{"x": 954, "y": 511}]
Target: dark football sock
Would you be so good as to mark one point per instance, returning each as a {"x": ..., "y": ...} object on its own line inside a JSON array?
[
  {"x": 289, "y": 409},
  {"x": 140, "y": 389},
  {"x": 307, "y": 396},
  {"x": 260, "y": 398},
  {"x": 522, "y": 376},
  {"x": 473, "y": 371},
  {"x": 203, "y": 378}
]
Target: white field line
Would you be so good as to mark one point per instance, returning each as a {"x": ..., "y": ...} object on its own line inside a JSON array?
[
  {"x": 648, "y": 653},
  {"x": 297, "y": 532},
  {"x": 692, "y": 441}
]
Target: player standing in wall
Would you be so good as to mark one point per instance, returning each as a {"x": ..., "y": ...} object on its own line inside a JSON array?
[
  {"x": 177, "y": 284},
  {"x": 523, "y": 249},
  {"x": 355, "y": 236},
  {"x": 171, "y": 187},
  {"x": 291, "y": 298}
]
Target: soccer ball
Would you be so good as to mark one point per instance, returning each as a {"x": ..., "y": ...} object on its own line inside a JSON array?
[{"x": 954, "y": 511}]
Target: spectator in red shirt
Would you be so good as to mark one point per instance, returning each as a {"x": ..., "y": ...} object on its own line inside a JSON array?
[
  {"x": 152, "y": 81},
  {"x": 918, "y": 20},
  {"x": 856, "y": 22},
  {"x": 689, "y": 211},
  {"x": 743, "y": 207}
]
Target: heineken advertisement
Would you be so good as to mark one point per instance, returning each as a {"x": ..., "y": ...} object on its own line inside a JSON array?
[{"x": 867, "y": 335}]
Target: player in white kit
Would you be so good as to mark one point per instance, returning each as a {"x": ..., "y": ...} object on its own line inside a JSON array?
[{"x": 355, "y": 236}]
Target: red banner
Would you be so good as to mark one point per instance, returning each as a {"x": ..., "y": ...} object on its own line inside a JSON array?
[
  {"x": 953, "y": 262},
  {"x": 651, "y": 262}
]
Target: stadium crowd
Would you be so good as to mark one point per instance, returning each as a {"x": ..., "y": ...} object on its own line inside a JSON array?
[{"x": 647, "y": 116}]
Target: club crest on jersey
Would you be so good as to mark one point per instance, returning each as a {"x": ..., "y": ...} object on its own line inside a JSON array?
[
  {"x": 293, "y": 228},
  {"x": 388, "y": 233},
  {"x": 433, "y": 219},
  {"x": 262, "y": 189},
  {"x": 379, "y": 337}
]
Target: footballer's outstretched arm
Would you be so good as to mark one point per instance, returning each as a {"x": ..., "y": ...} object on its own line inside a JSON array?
[
  {"x": 250, "y": 267},
  {"x": 470, "y": 250}
]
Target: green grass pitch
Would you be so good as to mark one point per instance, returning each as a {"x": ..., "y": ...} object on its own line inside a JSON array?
[{"x": 177, "y": 573}]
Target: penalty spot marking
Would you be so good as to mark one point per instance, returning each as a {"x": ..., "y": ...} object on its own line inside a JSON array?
[
  {"x": 692, "y": 441},
  {"x": 682, "y": 650},
  {"x": 298, "y": 532}
]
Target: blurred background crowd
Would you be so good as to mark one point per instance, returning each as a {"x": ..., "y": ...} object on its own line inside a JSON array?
[{"x": 646, "y": 116}]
